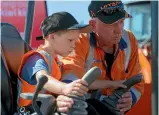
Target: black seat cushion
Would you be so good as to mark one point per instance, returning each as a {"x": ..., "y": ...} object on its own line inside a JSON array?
[
  {"x": 13, "y": 48},
  {"x": 6, "y": 89}
]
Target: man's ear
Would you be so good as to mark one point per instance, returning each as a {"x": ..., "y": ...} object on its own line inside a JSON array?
[{"x": 92, "y": 22}]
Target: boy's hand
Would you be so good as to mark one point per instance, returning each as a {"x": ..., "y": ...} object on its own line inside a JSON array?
[
  {"x": 78, "y": 87},
  {"x": 117, "y": 84}
]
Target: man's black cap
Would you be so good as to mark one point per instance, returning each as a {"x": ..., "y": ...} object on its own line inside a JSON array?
[
  {"x": 61, "y": 21},
  {"x": 108, "y": 11}
]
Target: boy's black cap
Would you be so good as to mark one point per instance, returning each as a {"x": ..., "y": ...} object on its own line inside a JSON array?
[
  {"x": 61, "y": 21},
  {"x": 108, "y": 11}
]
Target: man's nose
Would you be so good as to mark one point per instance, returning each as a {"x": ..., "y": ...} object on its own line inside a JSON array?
[
  {"x": 118, "y": 28},
  {"x": 73, "y": 44}
]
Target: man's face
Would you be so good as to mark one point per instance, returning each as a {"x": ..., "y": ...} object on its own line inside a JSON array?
[
  {"x": 64, "y": 43},
  {"x": 109, "y": 34}
]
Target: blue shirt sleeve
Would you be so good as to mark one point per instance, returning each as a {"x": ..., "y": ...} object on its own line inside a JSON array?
[
  {"x": 134, "y": 99},
  {"x": 34, "y": 64}
]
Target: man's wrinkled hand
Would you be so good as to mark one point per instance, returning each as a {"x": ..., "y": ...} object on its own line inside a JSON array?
[
  {"x": 125, "y": 103},
  {"x": 64, "y": 103}
]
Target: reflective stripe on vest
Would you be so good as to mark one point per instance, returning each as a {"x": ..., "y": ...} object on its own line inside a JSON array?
[
  {"x": 128, "y": 49},
  {"x": 49, "y": 58},
  {"x": 90, "y": 58}
]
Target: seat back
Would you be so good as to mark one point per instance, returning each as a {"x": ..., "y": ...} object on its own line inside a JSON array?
[
  {"x": 6, "y": 89},
  {"x": 13, "y": 48}
]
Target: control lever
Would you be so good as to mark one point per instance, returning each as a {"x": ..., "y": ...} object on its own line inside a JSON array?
[
  {"x": 41, "y": 80},
  {"x": 111, "y": 101},
  {"x": 79, "y": 102},
  {"x": 92, "y": 75},
  {"x": 129, "y": 83}
]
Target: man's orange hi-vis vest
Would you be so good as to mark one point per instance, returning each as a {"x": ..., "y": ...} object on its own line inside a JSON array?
[
  {"x": 26, "y": 87},
  {"x": 88, "y": 54}
]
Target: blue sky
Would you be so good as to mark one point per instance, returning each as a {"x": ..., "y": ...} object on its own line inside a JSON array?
[{"x": 79, "y": 9}]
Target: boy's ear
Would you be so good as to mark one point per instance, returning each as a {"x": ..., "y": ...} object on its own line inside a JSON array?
[{"x": 51, "y": 36}]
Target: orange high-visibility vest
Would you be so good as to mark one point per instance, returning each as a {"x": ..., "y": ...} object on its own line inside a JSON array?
[
  {"x": 28, "y": 88},
  {"x": 88, "y": 54}
]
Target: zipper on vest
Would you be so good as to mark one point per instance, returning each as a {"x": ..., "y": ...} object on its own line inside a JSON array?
[
  {"x": 105, "y": 65},
  {"x": 114, "y": 58}
]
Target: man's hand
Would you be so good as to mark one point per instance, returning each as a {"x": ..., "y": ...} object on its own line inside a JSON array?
[
  {"x": 125, "y": 102},
  {"x": 64, "y": 103},
  {"x": 117, "y": 84}
]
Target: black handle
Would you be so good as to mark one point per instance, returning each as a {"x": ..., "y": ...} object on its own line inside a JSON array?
[
  {"x": 130, "y": 82},
  {"x": 41, "y": 80}
]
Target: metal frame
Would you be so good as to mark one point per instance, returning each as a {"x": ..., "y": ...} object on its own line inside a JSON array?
[
  {"x": 29, "y": 21},
  {"x": 154, "y": 14}
]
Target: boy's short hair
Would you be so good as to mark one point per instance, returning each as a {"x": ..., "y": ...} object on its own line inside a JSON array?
[{"x": 60, "y": 32}]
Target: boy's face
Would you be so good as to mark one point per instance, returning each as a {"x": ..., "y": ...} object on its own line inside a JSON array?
[{"x": 64, "y": 43}]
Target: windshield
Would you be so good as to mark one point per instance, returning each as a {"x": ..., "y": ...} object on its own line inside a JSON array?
[{"x": 140, "y": 24}]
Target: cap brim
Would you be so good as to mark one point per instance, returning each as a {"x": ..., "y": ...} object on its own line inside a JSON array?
[
  {"x": 83, "y": 28},
  {"x": 110, "y": 19}
]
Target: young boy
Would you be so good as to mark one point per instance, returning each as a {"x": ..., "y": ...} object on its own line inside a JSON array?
[{"x": 60, "y": 31}]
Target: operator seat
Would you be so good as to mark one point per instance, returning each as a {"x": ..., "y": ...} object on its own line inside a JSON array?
[{"x": 13, "y": 48}]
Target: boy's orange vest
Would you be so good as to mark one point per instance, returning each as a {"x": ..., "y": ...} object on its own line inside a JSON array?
[{"x": 27, "y": 88}]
